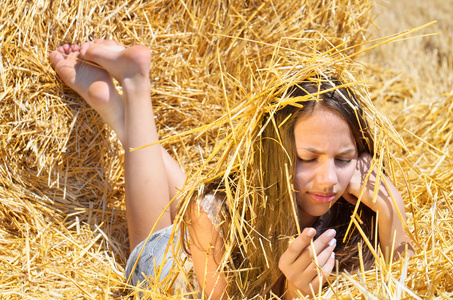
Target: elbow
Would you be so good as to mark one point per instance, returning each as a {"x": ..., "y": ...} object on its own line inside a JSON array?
[{"x": 404, "y": 250}]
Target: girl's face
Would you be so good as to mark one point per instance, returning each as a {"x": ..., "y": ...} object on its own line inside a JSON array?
[{"x": 327, "y": 158}]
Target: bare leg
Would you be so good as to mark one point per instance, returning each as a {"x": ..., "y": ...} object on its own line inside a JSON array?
[
  {"x": 95, "y": 85},
  {"x": 146, "y": 181}
]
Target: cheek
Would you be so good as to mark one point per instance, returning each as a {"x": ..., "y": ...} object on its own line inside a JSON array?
[
  {"x": 301, "y": 176},
  {"x": 346, "y": 175}
]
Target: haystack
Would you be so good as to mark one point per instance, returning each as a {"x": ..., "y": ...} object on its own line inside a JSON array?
[{"x": 62, "y": 227}]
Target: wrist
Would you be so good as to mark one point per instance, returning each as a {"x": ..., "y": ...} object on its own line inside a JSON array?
[
  {"x": 383, "y": 202},
  {"x": 292, "y": 292}
]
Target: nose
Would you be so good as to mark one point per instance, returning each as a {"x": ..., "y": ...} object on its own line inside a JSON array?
[{"x": 327, "y": 175}]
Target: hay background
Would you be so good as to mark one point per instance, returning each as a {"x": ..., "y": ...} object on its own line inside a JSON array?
[{"x": 62, "y": 227}]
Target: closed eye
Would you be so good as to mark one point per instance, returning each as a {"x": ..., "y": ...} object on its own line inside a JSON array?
[
  {"x": 344, "y": 161},
  {"x": 306, "y": 161}
]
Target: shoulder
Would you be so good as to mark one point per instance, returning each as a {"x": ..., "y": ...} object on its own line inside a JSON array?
[
  {"x": 203, "y": 226},
  {"x": 206, "y": 215},
  {"x": 212, "y": 206}
]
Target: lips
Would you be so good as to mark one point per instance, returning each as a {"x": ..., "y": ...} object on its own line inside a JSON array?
[{"x": 322, "y": 197}]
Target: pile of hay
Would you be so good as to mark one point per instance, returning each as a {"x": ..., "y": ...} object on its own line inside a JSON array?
[
  {"x": 412, "y": 86},
  {"x": 62, "y": 219}
]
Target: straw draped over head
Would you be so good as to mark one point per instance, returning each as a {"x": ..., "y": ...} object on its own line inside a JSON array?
[{"x": 252, "y": 172}]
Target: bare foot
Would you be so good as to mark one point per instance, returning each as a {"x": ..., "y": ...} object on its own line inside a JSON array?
[
  {"x": 127, "y": 65},
  {"x": 92, "y": 83}
]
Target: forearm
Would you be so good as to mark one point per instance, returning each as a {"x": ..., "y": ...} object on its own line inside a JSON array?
[
  {"x": 391, "y": 221},
  {"x": 213, "y": 286},
  {"x": 207, "y": 250}
]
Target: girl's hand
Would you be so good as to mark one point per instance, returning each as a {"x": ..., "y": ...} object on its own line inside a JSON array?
[
  {"x": 352, "y": 192},
  {"x": 388, "y": 203},
  {"x": 307, "y": 267}
]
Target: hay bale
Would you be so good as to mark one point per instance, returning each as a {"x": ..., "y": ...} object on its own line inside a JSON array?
[{"x": 411, "y": 86}]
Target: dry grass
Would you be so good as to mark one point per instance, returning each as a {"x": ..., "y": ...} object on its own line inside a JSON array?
[
  {"x": 62, "y": 220},
  {"x": 412, "y": 86}
]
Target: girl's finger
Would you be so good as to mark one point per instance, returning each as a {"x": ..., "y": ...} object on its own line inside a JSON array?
[
  {"x": 324, "y": 272},
  {"x": 322, "y": 259},
  {"x": 306, "y": 261},
  {"x": 366, "y": 158},
  {"x": 316, "y": 276},
  {"x": 322, "y": 242},
  {"x": 296, "y": 247}
]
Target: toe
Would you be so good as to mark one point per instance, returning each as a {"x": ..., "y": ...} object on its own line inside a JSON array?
[
  {"x": 84, "y": 47},
  {"x": 75, "y": 48},
  {"x": 67, "y": 48},
  {"x": 55, "y": 57}
]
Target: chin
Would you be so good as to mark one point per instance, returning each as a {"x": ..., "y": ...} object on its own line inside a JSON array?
[
  {"x": 317, "y": 212},
  {"x": 320, "y": 209}
]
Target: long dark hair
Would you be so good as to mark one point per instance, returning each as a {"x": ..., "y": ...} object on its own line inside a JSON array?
[
  {"x": 276, "y": 157},
  {"x": 270, "y": 207},
  {"x": 343, "y": 102}
]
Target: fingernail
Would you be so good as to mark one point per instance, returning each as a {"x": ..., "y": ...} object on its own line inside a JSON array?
[
  {"x": 332, "y": 242},
  {"x": 332, "y": 255},
  {"x": 311, "y": 232},
  {"x": 330, "y": 233}
]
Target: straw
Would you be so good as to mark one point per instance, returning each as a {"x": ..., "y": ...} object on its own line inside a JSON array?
[{"x": 62, "y": 211}]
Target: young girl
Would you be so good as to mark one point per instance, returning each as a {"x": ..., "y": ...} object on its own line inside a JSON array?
[{"x": 316, "y": 170}]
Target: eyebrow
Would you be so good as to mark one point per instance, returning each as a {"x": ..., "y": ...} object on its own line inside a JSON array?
[{"x": 316, "y": 151}]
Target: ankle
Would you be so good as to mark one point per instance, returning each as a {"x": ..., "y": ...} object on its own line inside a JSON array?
[{"x": 136, "y": 84}]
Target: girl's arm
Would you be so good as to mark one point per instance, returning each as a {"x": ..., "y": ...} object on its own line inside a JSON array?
[
  {"x": 390, "y": 223},
  {"x": 207, "y": 248}
]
